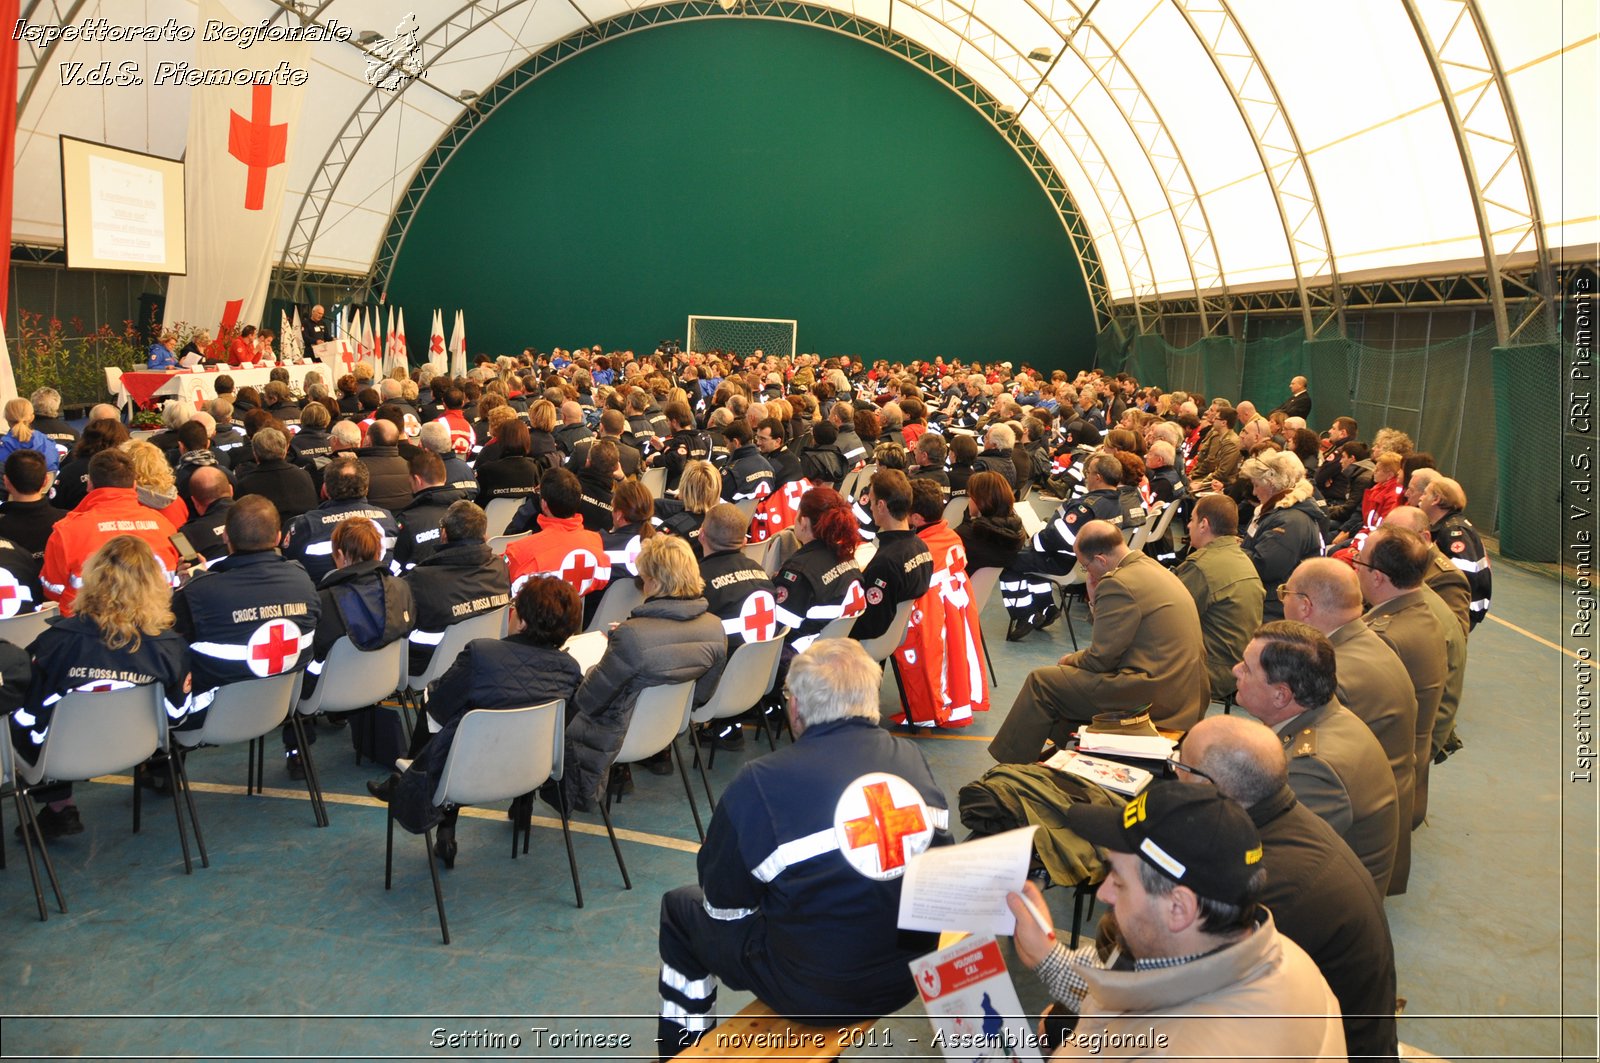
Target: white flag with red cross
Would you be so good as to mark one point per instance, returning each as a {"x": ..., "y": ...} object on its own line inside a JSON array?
[
  {"x": 458, "y": 347},
  {"x": 438, "y": 356},
  {"x": 239, "y": 150},
  {"x": 398, "y": 336}
]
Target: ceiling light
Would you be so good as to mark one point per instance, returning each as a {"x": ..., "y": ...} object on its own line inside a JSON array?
[
  {"x": 367, "y": 38},
  {"x": 1041, "y": 55}
]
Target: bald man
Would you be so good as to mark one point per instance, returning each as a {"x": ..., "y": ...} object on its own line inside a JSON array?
[
  {"x": 1372, "y": 681},
  {"x": 211, "y": 494},
  {"x": 1299, "y": 401},
  {"x": 1319, "y": 893}
]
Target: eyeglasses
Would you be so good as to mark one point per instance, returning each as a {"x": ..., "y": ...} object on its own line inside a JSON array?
[
  {"x": 1284, "y": 592},
  {"x": 1362, "y": 564},
  {"x": 1176, "y": 765}
]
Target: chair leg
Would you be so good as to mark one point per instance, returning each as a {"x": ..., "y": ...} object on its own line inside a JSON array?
[
  {"x": 250, "y": 769},
  {"x": 313, "y": 785},
  {"x": 33, "y": 870},
  {"x": 605, "y": 814},
  {"x": 261, "y": 765},
  {"x": 688, "y": 791},
  {"x": 388, "y": 852},
  {"x": 700, "y": 762},
  {"x": 176, "y": 759},
  {"x": 138, "y": 778},
  {"x": 177, "y": 814},
  {"x": 994, "y": 680},
  {"x": 438, "y": 891},
  {"x": 566, "y": 834}
]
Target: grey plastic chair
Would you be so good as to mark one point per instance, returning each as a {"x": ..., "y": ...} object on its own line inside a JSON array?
[
  {"x": 351, "y": 679},
  {"x": 248, "y": 712},
  {"x": 30, "y": 828},
  {"x": 498, "y": 755},
  {"x": 660, "y": 715},
  {"x": 617, "y": 603},
  {"x": 982, "y": 585},
  {"x": 746, "y": 679},
  {"x": 22, "y": 629},
  {"x": 655, "y": 479},
  {"x": 500, "y": 511},
  {"x": 94, "y": 734},
  {"x": 885, "y": 644},
  {"x": 499, "y": 544},
  {"x": 453, "y": 640}
]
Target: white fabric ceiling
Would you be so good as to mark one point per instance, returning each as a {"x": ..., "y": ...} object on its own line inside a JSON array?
[{"x": 1133, "y": 106}]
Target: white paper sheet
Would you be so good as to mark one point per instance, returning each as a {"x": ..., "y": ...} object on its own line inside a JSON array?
[
  {"x": 587, "y": 649},
  {"x": 964, "y": 887}
]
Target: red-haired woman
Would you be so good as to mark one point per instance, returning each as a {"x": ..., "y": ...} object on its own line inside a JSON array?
[{"x": 821, "y": 582}]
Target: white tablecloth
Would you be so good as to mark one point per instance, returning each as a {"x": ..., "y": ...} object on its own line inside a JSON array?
[{"x": 199, "y": 385}]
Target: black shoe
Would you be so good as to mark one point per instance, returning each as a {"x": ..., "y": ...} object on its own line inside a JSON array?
[
  {"x": 521, "y": 811},
  {"x": 1049, "y": 616},
  {"x": 153, "y": 776},
  {"x": 294, "y": 765},
  {"x": 1452, "y": 745},
  {"x": 53, "y": 824},
  {"x": 336, "y": 721},
  {"x": 1019, "y": 630},
  {"x": 732, "y": 740},
  {"x": 444, "y": 846},
  {"x": 383, "y": 788},
  {"x": 660, "y": 764},
  {"x": 620, "y": 784},
  {"x": 550, "y": 794}
]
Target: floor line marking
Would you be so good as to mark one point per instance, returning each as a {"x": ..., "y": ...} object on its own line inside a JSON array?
[
  {"x": 1528, "y": 634},
  {"x": 661, "y": 841}
]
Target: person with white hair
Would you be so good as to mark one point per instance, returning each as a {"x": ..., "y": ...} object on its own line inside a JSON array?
[
  {"x": 1287, "y": 528},
  {"x": 801, "y": 869},
  {"x": 47, "y": 420}
]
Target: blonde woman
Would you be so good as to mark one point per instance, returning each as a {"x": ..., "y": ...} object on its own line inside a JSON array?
[
  {"x": 21, "y": 436},
  {"x": 154, "y": 481},
  {"x": 699, "y": 489},
  {"x": 121, "y": 626}
]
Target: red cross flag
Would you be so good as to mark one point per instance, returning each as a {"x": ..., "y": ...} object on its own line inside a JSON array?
[
  {"x": 438, "y": 357},
  {"x": 241, "y": 141}
]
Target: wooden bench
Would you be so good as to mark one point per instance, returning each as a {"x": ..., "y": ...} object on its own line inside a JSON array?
[{"x": 758, "y": 1032}]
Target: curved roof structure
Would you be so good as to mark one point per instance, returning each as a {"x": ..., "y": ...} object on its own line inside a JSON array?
[{"x": 1210, "y": 148}]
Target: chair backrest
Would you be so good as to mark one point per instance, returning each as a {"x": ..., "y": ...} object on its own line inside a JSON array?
[
  {"x": 880, "y": 648},
  {"x": 780, "y": 548},
  {"x": 1032, "y": 523},
  {"x": 955, "y": 509},
  {"x": 656, "y": 480},
  {"x": 8, "y": 763},
  {"x": 100, "y": 733},
  {"x": 503, "y": 753},
  {"x": 982, "y": 585},
  {"x": 747, "y": 506},
  {"x": 353, "y": 679},
  {"x": 617, "y": 602},
  {"x": 456, "y": 636},
  {"x": 499, "y": 544},
  {"x": 838, "y": 629},
  {"x": 1163, "y": 521},
  {"x": 1140, "y": 536},
  {"x": 659, "y": 715},
  {"x": 500, "y": 512},
  {"x": 866, "y": 550},
  {"x": 758, "y": 552},
  {"x": 244, "y": 711},
  {"x": 745, "y": 681},
  {"x": 25, "y": 627}
]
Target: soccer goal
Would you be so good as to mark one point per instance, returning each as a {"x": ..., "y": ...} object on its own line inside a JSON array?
[{"x": 742, "y": 335}]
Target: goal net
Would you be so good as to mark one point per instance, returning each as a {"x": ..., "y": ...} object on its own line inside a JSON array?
[{"x": 742, "y": 335}]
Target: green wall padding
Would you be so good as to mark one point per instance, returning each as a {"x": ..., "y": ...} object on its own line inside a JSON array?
[
  {"x": 1529, "y": 406},
  {"x": 1223, "y": 368},
  {"x": 1328, "y": 378},
  {"x": 753, "y": 169},
  {"x": 1149, "y": 361}
]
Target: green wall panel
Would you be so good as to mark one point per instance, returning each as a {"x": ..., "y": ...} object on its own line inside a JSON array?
[{"x": 754, "y": 169}]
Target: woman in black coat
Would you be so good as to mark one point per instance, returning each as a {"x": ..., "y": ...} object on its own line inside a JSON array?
[
  {"x": 991, "y": 532},
  {"x": 528, "y": 667},
  {"x": 512, "y": 474}
]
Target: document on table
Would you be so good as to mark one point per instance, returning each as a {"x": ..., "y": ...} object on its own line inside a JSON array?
[{"x": 964, "y": 887}]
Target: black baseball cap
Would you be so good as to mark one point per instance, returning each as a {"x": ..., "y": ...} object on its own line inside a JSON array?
[{"x": 1187, "y": 831}]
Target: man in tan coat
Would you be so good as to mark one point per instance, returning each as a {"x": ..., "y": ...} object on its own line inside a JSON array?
[
  {"x": 1392, "y": 564},
  {"x": 1146, "y": 649},
  {"x": 1336, "y": 767},
  {"x": 1372, "y": 683},
  {"x": 1226, "y": 589},
  {"x": 1219, "y": 455}
]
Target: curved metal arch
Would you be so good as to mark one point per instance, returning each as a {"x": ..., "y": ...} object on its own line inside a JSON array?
[
  {"x": 1141, "y": 300},
  {"x": 1294, "y": 163},
  {"x": 637, "y": 20},
  {"x": 42, "y": 62},
  {"x": 347, "y": 142},
  {"x": 1208, "y": 315},
  {"x": 1492, "y": 92}
]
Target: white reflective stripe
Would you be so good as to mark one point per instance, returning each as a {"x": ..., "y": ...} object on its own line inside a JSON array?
[
  {"x": 53, "y": 588},
  {"x": 179, "y": 711},
  {"x": 223, "y": 651},
  {"x": 24, "y": 718},
  {"x": 803, "y": 641},
  {"x": 77, "y": 580},
  {"x": 320, "y": 549},
  {"x": 693, "y": 1021},
  {"x": 734, "y": 626},
  {"x": 788, "y": 619},
  {"x": 790, "y": 853},
  {"x": 426, "y": 638},
  {"x": 315, "y": 667},
  {"x": 1480, "y": 603},
  {"x": 695, "y": 989},
  {"x": 941, "y": 816},
  {"x": 727, "y": 915},
  {"x": 1480, "y": 565}
]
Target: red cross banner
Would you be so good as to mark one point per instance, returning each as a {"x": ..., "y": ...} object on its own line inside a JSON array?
[{"x": 241, "y": 143}]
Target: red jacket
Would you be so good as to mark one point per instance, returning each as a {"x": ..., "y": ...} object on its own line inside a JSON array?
[
  {"x": 104, "y": 513},
  {"x": 562, "y": 547},
  {"x": 941, "y": 659}
]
